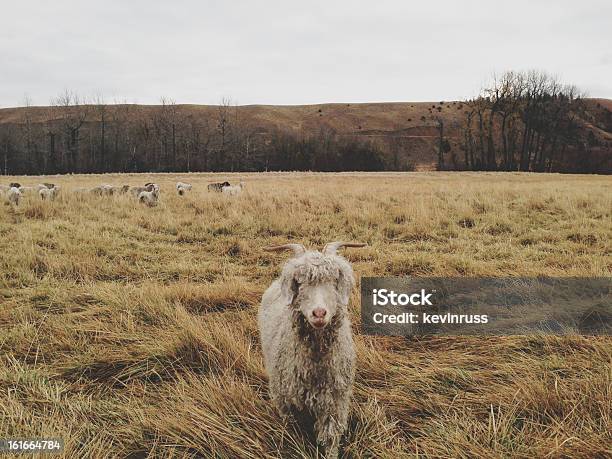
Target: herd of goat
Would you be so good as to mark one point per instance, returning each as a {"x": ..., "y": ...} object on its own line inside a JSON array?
[
  {"x": 303, "y": 319},
  {"x": 147, "y": 194}
]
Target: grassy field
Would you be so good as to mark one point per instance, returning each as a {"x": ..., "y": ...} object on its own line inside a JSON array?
[{"x": 131, "y": 331}]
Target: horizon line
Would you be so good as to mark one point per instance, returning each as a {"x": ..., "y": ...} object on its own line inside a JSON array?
[{"x": 271, "y": 105}]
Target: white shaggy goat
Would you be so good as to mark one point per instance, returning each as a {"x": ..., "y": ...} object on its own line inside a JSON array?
[
  {"x": 136, "y": 190},
  {"x": 182, "y": 188},
  {"x": 102, "y": 190},
  {"x": 307, "y": 343},
  {"x": 149, "y": 198},
  {"x": 14, "y": 195},
  {"x": 233, "y": 190},
  {"x": 42, "y": 186},
  {"x": 49, "y": 193},
  {"x": 109, "y": 190}
]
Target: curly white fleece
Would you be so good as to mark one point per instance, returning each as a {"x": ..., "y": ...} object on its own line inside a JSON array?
[{"x": 311, "y": 371}]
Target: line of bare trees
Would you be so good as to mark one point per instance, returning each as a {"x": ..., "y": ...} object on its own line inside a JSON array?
[
  {"x": 524, "y": 121},
  {"x": 76, "y": 136}
]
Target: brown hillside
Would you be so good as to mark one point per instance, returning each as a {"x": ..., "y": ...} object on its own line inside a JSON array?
[
  {"x": 406, "y": 129},
  {"x": 405, "y": 126}
]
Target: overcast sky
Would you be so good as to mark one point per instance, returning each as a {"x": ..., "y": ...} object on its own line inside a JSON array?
[{"x": 295, "y": 52}]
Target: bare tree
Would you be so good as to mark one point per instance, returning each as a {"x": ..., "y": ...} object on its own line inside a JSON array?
[
  {"x": 33, "y": 157},
  {"x": 102, "y": 114},
  {"x": 224, "y": 130},
  {"x": 72, "y": 113},
  {"x": 526, "y": 116},
  {"x": 51, "y": 132}
]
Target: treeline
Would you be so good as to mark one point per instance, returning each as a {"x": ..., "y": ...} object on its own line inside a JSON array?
[
  {"x": 524, "y": 121},
  {"x": 76, "y": 137}
]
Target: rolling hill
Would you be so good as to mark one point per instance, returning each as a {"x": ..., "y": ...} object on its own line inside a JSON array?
[{"x": 406, "y": 130}]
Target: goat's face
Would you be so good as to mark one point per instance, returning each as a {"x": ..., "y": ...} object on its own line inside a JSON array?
[
  {"x": 318, "y": 286},
  {"x": 315, "y": 284},
  {"x": 318, "y": 303}
]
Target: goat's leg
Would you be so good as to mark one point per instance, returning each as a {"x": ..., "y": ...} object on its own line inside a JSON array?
[
  {"x": 328, "y": 432},
  {"x": 331, "y": 421}
]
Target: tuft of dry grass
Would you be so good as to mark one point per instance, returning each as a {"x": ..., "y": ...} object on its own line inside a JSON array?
[{"x": 131, "y": 331}]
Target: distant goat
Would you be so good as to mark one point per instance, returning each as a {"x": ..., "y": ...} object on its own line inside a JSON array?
[
  {"x": 149, "y": 198},
  {"x": 218, "y": 186},
  {"x": 306, "y": 340},
  {"x": 102, "y": 190},
  {"x": 49, "y": 193},
  {"x": 182, "y": 188},
  {"x": 136, "y": 190},
  {"x": 42, "y": 186},
  {"x": 14, "y": 194},
  {"x": 233, "y": 190}
]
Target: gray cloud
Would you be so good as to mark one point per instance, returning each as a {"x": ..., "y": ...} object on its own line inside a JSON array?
[{"x": 288, "y": 52}]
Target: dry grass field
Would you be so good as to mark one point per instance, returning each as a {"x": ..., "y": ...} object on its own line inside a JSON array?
[{"x": 130, "y": 331}]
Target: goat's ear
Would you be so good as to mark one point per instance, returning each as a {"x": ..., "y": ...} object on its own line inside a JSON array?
[
  {"x": 332, "y": 247},
  {"x": 344, "y": 285},
  {"x": 298, "y": 249}
]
